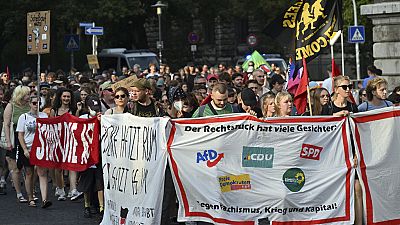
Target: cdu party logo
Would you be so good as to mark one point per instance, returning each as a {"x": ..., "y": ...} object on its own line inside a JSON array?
[{"x": 294, "y": 179}]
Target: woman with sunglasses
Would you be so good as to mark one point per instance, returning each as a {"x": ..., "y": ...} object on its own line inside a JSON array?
[
  {"x": 121, "y": 100},
  {"x": 340, "y": 106},
  {"x": 26, "y": 132},
  {"x": 376, "y": 91}
]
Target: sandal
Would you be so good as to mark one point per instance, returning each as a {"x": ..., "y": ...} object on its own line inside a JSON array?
[
  {"x": 21, "y": 199},
  {"x": 32, "y": 203},
  {"x": 46, "y": 204}
]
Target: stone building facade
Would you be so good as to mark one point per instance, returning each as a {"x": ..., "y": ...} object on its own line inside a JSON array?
[{"x": 385, "y": 17}]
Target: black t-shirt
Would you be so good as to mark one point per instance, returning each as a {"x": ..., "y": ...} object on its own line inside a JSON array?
[
  {"x": 146, "y": 111},
  {"x": 331, "y": 108}
]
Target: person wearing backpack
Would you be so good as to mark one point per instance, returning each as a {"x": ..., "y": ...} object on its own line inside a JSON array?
[{"x": 376, "y": 95}]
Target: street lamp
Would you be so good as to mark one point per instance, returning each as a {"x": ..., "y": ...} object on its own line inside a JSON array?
[{"x": 159, "y": 5}]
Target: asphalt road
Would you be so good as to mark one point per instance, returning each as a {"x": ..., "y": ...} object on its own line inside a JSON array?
[{"x": 60, "y": 213}]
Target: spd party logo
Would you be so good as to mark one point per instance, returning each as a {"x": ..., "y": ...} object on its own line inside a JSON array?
[{"x": 294, "y": 179}]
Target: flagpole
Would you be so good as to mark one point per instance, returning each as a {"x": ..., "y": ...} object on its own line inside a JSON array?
[
  {"x": 342, "y": 43},
  {"x": 309, "y": 100}
]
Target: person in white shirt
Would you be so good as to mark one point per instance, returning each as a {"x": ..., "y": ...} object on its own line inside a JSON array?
[{"x": 26, "y": 132}]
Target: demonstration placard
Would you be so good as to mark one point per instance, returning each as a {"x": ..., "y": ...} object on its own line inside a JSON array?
[
  {"x": 134, "y": 158},
  {"x": 66, "y": 142},
  {"x": 289, "y": 171},
  {"x": 126, "y": 83},
  {"x": 378, "y": 139}
]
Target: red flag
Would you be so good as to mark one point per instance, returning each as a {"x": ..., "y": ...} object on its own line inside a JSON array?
[
  {"x": 335, "y": 73},
  {"x": 335, "y": 69},
  {"x": 300, "y": 98}
]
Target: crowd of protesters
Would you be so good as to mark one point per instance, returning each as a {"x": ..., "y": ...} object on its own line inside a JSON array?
[{"x": 190, "y": 92}]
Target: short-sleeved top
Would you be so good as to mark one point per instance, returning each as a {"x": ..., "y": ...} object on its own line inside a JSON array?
[
  {"x": 27, "y": 124},
  {"x": 367, "y": 106},
  {"x": 330, "y": 108}
]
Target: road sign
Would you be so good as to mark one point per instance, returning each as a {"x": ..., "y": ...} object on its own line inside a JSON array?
[
  {"x": 94, "y": 30},
  {"x": 38, "y": 35},
  {"x": 86, "y": 24},
  {"x": 71, "y": 42},
  {"x": 193, "y": 38},
  {"x": 93, "y": 62},
  {"x": 356, "y": 34},
  {"x": 193, "y": 48},
  {"x": 252, "y": 40}
]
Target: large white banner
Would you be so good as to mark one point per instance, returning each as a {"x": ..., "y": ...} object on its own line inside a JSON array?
[
  {"x": 134, "y": 159},
  {"x": 378, "y": 139},
  {"x": 237, "y": 170}
]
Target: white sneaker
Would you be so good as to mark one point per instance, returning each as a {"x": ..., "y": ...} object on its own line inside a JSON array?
[
  {"x": 62, "y": 195},
  {"x": 57, "y": 193},
  {"x": 69, "y": 195},
  {"x": 75, "y": 194}
]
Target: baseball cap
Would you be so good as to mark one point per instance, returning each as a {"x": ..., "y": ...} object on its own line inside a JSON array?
[
  {"x": 142, "y": 84},
  {"x": 212, "y": 76},
  {"x": 105, "y": 85}
]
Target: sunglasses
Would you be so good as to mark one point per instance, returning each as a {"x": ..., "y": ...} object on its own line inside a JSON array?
[
  {"x": 120, "y": 96},
  {"x": 109, "y": 89},
  {"x": 323, "y": 96},
  {"x": 350, "y": 86},
  {"x": 34, "y": 103},
  {"x": 364, "y": 94}
]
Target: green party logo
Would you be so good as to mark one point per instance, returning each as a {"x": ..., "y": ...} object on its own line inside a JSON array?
[{"x": 294, "y": 179}]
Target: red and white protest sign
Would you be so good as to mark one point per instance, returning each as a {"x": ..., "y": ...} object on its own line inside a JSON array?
[
  {"x": 377, "y": 140},
  {"x": 66, "y": 142}
]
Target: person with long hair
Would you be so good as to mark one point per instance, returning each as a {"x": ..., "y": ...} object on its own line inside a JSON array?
[
  {"x": 26, "y": 132},
  {"x": 64, "y": 102},
  {"x": 51, "y": 95},
  {"x": 121, "y": 98},
  {"x": 18, "y": 106},
  {"x": 376, "y": 95},
  {"x": 320, "y": 98},
  {"x": 268, "y": 104},
  {"x": 81, "y": 107},
  {"x": 283, "y": 104}
]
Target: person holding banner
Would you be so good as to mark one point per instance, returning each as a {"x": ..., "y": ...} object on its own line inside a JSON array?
[
  {"x": 219, "y": 104},
  {"x": 268, "y": 105},
  {"x": 17, "y": 106},
  {"x": 283, "y": 104},
  {"x": 376, "y": 94},
  {"x": 64, "y": 103},
  {"x": 26, "y": 132},
  {"x": 121, "y": 100},
  {"x": 142, "y": 104},
  {"x": 341, "y": 106},
  {"x": 91, "y": 180}
]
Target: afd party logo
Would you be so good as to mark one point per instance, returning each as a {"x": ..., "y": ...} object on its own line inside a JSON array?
[
  {"x": 212, "y": 157},
  {"x": 257, "y": 157},
  {"x": 310, "y": 152},
  {"x": 294, "y": 179}
]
